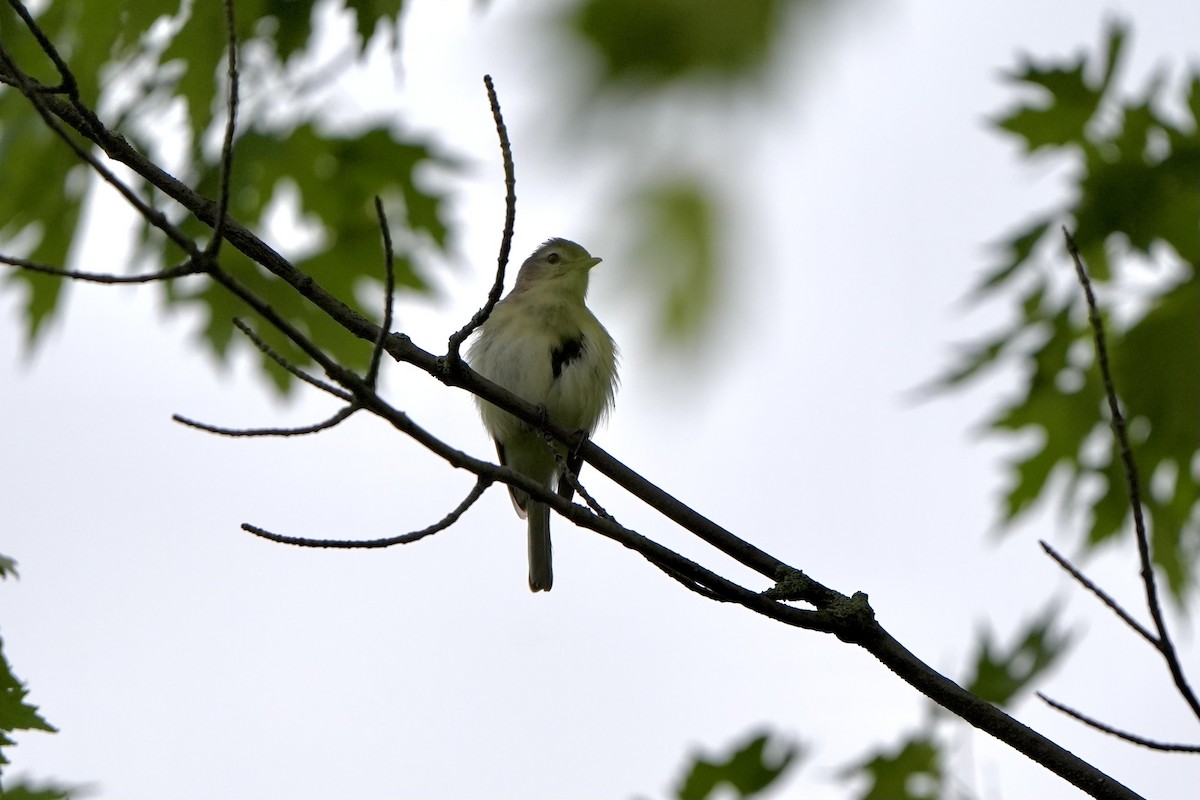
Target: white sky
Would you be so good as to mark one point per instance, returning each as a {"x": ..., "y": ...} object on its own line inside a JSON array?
[{"x": 182, "y": 658}]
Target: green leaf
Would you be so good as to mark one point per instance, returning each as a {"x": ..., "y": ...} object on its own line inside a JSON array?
[
  {"x": 911, "y": 772},
  {"x": 1136, "y": 191},
  {"x": 1068, "y": 98},
  {"x": 1154, "y": 366},
  {"x": 24, "y": 791},
  {"x": 15, "y": 713},
  {"x": 8, "y": 567},
  {"x": 336, "y": 177},
  {"x": 349, "y": 257},
  {"x": 1000, "y": 673},
  {"x": 748, "y": 770},
  {"x": 1018, "y": 250},
  {"x": 1129, "y": 190},
  {"x": 971, "y": 360},
  {"x": 41, "y": 200},
  {"x": 368, "y": 14},
  {"x": 1063, "y": 420},
  {"x": 676, "y": 251},
  {"x": 654, "y": 42}
]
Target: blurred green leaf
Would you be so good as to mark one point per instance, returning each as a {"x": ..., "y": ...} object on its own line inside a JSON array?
[
  {"x": 1019, "y": 249},
  {"x": 1136, "y": 192},
  {"x": 1156, "y": 367},
  {"x": 1063, "y": 419},
  {"x": 676, "y": 252},
  {"x": 748, "y": 770},
  {"x": 659, "y": 41},
  {"x": 349, "y": 258},
  {"x": 23, "y": 791},
  {"x": 335, "y": 177},
  {"x": 911, "y": 772},
  {"x": 1000, "y": 674},
  {"x": 1069, "y": 96},
  {"x": 369, "y": 13},
  {"x": 8, "y": 567},
  {"x": 38, "y": 200},
  {"x": 15, "y": 713}
]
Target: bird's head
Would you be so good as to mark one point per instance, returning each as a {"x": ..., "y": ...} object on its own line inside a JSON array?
[{"x": 557, "y": 265}]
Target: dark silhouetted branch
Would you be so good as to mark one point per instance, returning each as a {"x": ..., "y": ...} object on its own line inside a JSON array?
[
  {"x": 304, "y": 430},
  {"x": 187, "y": 268},
  {"x": 1163, "y": 641},
  {"x": 1120, "y": 734},
  {"x": 1088, "y": 584},
  {"x": 481, "y": 484},
  {"x": 510, "y": 220},
  {"x": 231, "y": 112},
  {"x": 389, "y": 290}
]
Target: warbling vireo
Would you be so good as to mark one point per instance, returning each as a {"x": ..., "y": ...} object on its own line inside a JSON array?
[{"x": 543, "y": 344}]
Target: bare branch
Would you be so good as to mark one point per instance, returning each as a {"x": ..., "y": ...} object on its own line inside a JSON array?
[
  {"x": 389, "y": 289},
  {"x": 1087, "y": 583},
  {"x": 1120, "y": 734},
  {"x": 568, "y": 482},
  {"x": 849, "y": 618},
  {"x": 481, "y": 483},
  {"x": 341, "y": 415},
  {"x": 41, "y": 103},
  {"x": 1164, "y": 644},
  {"x": 231, "y": 108},
  {"x": 189, "y": 267},
  {"x": 691, "y": 585},
  {"x": 510, "y": 217},
  {"x": 67, "y": 84},
  {"x": 270, "y": 353}
]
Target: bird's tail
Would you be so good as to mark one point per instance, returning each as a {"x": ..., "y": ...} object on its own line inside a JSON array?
[{"x": 541, "y": 572}]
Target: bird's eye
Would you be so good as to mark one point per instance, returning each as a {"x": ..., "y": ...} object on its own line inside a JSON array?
[{"x": 553, "y": 258}]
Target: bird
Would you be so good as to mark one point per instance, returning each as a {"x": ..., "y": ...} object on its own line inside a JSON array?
[{"x": 543, "y": 344}]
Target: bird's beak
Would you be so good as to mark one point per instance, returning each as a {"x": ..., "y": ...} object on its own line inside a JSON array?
[{"x": 591, "y": 262}]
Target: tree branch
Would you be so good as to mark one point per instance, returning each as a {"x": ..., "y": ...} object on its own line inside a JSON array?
[
  {"x": 481, "y": 483},
  {"x": 231, "y": 109},
  {"x": 1164, "y": 644},
  {"x": 453, "y": 361},
  {"x": 849, "y": 618},
  {"x": 1129, "y": 737},
  {"x": 1087, "y": 583}
]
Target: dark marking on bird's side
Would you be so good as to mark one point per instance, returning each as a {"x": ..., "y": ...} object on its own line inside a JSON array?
[{"x": 564, "y": 354}]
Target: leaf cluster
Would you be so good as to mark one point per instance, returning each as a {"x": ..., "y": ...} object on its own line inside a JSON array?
[
  {"x": 141, "y": 63},
  {"x": 17, "y": 714},
  {"x": 1134, "y": 208},
  {"x": 748, "y": 770}
]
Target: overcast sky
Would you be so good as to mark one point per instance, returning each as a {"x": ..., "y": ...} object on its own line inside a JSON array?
[{"x": 183, "y": 659}]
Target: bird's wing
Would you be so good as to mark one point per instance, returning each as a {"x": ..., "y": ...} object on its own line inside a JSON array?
[{"x": 519, "y": 498}]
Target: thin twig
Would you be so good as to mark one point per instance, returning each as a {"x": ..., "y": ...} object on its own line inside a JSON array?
[
  {"x": 67, "y": 84},
  {"x": 317, "y": 427},
  {"x": 847, "y": 617},
  {"x": 510, "y": 218},
  {"x": 270, "y": 353},
  {"x": 571, "y": 477},
  {"x": 481, "y": 483},
  {"x": 274, "y": 318},
  {"x": 1165, "y": 645},
  {"x": 403, "y": 349},
  {"x": 39, "y": 102},
  {"x": 692, "y": 585},
  {"x": 187, "y": 268},
  {"x": 1120, "y": 734},
  {"x": 1087, "y": 583},
  {"x": 389, "y": 290},
  {"x": 231, "y": 109}
]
